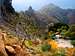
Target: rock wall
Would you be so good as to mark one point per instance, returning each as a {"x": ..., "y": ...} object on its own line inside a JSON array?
[
  {"x": 6, "y": 10},
  {"x": 6, "y": 7}
]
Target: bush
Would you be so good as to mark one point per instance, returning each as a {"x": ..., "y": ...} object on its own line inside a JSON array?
[
  {"x": 69, "y": 34},
  {"x": 60, "y": 52},
  {"x": 72, "y": 28},
  {"x": 46, "y": 47},
  {"x": 53, "y": 36},
  {"x": 73, "y": 42},
  {"x": 28, "y": 43},
  {"x": 60, "y": 26},
  {"x": 72, "y": 35}
]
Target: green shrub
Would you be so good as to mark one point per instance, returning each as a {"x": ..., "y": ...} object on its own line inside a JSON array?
[
  {"x": 72, "y": 35},
  {"x": 28, "y": 43},
  {"x": 67, "y": 34},
  {"x": 52, "y": 36},
  {"x": 58, "y": 27},
  {"x": 72, "y": 28},
  {"x": 46, "y": 47},
  {"x": 60, "y": 52},
  {"x": 73, "y": 42}
]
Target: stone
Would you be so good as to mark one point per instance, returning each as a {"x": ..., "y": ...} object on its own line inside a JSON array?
[
  {"x": 6, "y": 10},
  {"x": 6, "y": 5},
  {"x": 19, "y": 50},
  {"x": 10, "y": 49},
  {"x": 2, "y": 46}
]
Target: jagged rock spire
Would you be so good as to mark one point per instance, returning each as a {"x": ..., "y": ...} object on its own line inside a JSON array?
[{"x": 30, "y": 11}]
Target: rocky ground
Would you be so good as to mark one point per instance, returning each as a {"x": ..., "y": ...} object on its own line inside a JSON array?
[
  {"x": 14, "y": 46},
  {"x": 64, "y": 43}
]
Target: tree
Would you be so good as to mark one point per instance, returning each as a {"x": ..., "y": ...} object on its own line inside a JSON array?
[{"x": 60, "y": 26}]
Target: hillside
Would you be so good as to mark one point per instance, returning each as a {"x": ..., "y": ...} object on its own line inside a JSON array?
[
  {"x": 16, "y": 23},
  {"x": 61, "y": 14},
  {"x": 36, "y": 33}
]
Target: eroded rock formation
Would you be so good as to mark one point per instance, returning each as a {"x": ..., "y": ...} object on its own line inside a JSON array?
[{"x": 6, "y": 9}]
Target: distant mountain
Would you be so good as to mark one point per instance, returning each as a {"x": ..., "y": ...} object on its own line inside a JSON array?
[
  {"x": 60, "y": 14},
  {"x": 30, "y": 11},
  {"x": 31, "y": 22},
  {"x": 40, "y": 19},
  {"x": 71, "y": 15}
]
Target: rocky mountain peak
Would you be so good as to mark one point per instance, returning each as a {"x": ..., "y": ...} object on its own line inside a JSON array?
[{"x": 30, "y": 11}]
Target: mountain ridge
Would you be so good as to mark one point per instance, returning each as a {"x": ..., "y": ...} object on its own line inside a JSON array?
[{"x": 59, "y": 13}]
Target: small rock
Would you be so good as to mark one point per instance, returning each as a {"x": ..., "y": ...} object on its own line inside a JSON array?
[
  {"x": 19, "y": 50},
  {"x": 10, "y": 49}
]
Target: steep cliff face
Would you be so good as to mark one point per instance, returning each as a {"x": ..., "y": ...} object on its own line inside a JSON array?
[
  {"x": 9, "y": 19},
  {"x": 6, "y": 6},
  {"x": 6, "y": 10}
]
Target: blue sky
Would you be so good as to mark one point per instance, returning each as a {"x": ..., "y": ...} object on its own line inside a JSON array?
[{"x": 37, "y": 4}]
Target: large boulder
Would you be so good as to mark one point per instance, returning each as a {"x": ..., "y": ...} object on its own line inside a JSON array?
[
  {"x": 19, "y": 50},
  {"x": 2, "y": 47},
  {"x": 10, "y": 50}
]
